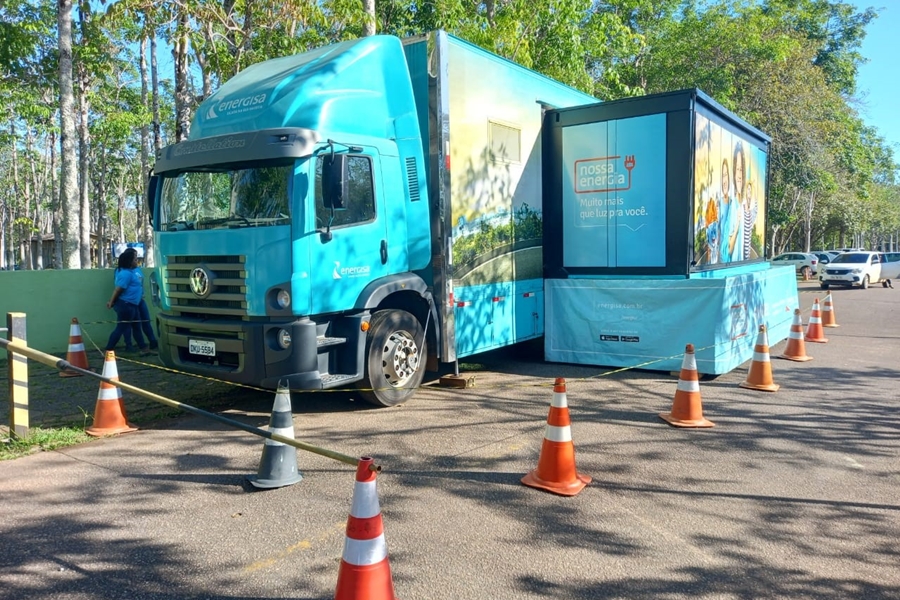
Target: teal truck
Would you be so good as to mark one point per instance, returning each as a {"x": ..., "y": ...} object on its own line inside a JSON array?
[{"x": 353, "y": 215}]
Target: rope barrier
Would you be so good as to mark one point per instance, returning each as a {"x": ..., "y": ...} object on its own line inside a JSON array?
[
  {"x": 64, "y": 365},
  {"x": 367, "y": 389}
]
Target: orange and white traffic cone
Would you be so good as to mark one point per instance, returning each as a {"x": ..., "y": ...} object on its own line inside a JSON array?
[
  {"x": 76, "y": 356},
  {"x": 760, "y": 375},
  {"x": 796, "y": 349},
  {"x": 365, "y": 573},
  {"x": 814, "y": 331},
  {"x": 687, "y": 408},
  {"x": 828, "y": 317},
  {"x": 109, "y": 413},
  {"x": 555, "y": 471}
]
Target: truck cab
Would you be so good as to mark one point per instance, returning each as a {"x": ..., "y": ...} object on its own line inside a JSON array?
[{"x": 282, "y": 229}]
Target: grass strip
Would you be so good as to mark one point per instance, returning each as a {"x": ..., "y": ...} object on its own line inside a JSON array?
[{"x": 39, "y": 439}]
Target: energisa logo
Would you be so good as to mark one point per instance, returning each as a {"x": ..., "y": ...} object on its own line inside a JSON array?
[
  {"x": 341, "y": 272},
  {"x": 236, "y": 105}
]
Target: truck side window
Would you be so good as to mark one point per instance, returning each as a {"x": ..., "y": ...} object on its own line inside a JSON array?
[{"x": 360, "y": 203}]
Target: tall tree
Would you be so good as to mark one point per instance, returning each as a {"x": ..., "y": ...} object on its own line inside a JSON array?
[
  {"x": 369, "y": 25},
  {"x": 183, "y": 99},
  {"x": 84, "y": 79},
  {"x": 146, "y": 232},
  {"x": 68, "y": 188}
]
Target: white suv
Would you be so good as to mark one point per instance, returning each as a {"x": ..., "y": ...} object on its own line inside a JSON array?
[{"x": 853, "y": 269}]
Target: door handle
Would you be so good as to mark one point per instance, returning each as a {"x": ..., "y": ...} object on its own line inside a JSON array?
[{"x": 384, "y": 252}]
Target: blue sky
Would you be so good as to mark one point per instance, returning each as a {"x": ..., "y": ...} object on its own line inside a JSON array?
[{"x": 879, "y": 79}]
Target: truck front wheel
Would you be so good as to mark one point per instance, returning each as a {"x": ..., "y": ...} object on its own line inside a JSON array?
[{"x": 395, "y": 357}]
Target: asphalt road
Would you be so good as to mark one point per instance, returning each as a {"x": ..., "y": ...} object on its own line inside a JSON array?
[{"x": 793, "y": 494}]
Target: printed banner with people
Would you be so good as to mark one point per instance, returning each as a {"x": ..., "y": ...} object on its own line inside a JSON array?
[{"x": 729, "y": 196}]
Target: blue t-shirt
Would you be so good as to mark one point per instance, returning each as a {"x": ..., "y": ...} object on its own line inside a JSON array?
[
  {"x": 728, "y": 229},
  {"x": 132, "y": 282}
]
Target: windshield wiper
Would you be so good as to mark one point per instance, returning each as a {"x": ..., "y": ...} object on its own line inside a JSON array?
[
  {"x": 179, "y": 225},
  {"x": 240, "y": 220}
]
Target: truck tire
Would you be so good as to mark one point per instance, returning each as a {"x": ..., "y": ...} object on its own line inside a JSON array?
[
  {"x": 395, "y": 357},
  {"x": 865, "y": 283}
]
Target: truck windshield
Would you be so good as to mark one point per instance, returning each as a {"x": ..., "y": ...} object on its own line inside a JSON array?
[{"x": 221, "y": 199}]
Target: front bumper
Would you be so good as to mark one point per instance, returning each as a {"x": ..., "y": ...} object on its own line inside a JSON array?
[
  {"x": 246, "y": 352},
  {"x": 849, "y": 279}
]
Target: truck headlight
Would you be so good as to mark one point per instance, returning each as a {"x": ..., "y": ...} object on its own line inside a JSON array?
[
  {"x": 283, "y": 299},
  {"x": 284, "y": 338}
]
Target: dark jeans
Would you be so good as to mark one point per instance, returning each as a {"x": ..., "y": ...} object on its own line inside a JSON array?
[
  {"x": 128, "y": 324},
  {"x": 146, "y": 326}
]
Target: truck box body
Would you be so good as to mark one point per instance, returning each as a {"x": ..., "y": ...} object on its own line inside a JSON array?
[
  {"x": 656, "y": 235},
  {"x": 486, "y": 172},
  {"x": 432, "y": 239}
]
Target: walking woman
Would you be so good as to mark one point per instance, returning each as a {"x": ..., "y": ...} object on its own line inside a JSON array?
[{"x": 126, "y": 299}]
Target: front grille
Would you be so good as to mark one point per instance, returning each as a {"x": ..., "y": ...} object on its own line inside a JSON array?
[
  {"x": 228, "y": 296},
  {"x": 835, "y": 272}
]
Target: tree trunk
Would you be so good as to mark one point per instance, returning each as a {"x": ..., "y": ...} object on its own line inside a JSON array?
[
  {"x": 120, "y": 205},
  {"x": 42, "y": 218},
  {"x": 68, "y": 187},
  {"x": 154, "y": 93},
  {"x": 2, "y": 237},
  {"x": 369, "y": 25},
  {"x": 27, "y": 227},
  {"x": 84, "y": 169},
  {"x": 182, "y": 90},
  {"x": 205, "y": 75},
  {"x": 84, "y": 144},
  {"x": 101, "y": 204},
  {"x": 248, "y": 32},
  {"x": 14, "y": 159},
  {"x": 230, "y": 38},
  {"x": 809, "y": 221},
  {"x": 144, "y": 223},
  {"x": 54, "y": 207}
]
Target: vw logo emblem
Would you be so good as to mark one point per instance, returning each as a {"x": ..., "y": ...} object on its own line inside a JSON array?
[{"x": 200, "y": 282}]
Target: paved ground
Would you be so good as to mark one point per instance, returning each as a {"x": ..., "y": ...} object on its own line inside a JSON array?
[{"x": 791, "y": 495}]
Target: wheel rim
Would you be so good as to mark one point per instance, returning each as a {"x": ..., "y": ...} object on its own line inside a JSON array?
[{"x": 399, "y": 358}]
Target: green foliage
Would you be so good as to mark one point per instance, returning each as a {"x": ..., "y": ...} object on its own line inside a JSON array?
[{"x": 789, "y": 67}]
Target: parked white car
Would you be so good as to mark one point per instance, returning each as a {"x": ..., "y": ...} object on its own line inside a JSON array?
[
  {"x": 804, "y": 263},
  {"x": 890, "y": 267},
  {"x": 853, "y": 269}
]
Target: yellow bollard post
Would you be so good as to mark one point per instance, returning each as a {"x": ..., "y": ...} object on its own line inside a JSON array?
[{"x": 17, "y": 376}]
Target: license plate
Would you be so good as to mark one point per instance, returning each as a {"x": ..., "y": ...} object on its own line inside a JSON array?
[{"x": 202, "y": 347}]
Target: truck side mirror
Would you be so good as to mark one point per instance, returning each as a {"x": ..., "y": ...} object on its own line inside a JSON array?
[
  {"x": 152, "y": 186},
  {"x": 334, "y": 181}
]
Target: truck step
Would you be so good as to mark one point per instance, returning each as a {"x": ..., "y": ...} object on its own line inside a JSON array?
[
  {"x": 330, "y": 380},
  {"x": 324, "y": 342}
]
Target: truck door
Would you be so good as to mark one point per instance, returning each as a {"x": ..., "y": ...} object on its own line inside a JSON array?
[{"x": 356, "y": 253}]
